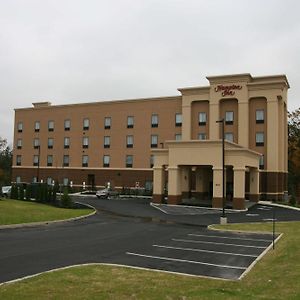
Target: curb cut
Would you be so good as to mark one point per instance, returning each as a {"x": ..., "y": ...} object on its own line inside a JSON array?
[
  {"x": 35, "y": 224},
  {"x": 279, "y": 205}
]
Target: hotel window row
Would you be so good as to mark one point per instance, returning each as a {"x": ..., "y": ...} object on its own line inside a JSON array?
[
  {"x": 85, "y": 142},
  {"x": 259, "y": 140},
  {"x": 202, "y": 120},
  {"x": 229, "y": 117},
  {"x": 107, "y": 123},
  {"x": 85, "y": 160}
]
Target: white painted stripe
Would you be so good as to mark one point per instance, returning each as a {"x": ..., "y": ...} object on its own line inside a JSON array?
[
  {"x": 185, "y": 261},
  {"x": 215, "y": 243},
  {"x": 157, "y": 207},
  {"x": 200, "y": 250},
  {"x": 232, "y": 238},
  {"x": 270, "y": 219},
  {"x": 252, "y": 215}
]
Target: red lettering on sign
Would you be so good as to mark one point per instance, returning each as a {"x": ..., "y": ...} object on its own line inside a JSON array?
[{"x": 227, "y": 90}]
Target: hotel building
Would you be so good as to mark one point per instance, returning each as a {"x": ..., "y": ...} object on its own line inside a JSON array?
[{"x": 171, "y": 143}]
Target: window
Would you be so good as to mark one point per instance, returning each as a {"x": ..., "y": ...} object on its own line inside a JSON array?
[
  {"x": 260, "y": 116},
  {"x": 107, "y": 122},
  {"x": 229, "y": 136},
  {"x": 129, "y": 161},
  {"x": 67, "y": 125},
  {"x": 229, "y": 117},
  {"x": 202, "y": 118},
  {"x": 86, "y": 124},
  {"x": 85, "y": 161},
  {"x": 19, "y": 144},
  {"x": 34, "y": 179},
  {"x": 259, "y": 138},
  {"x": 35, "y": 160},
  {"x": 178, "y": 136},
  {"x": 36, "y": 143},
  {"x": 50, "y": 143},
  {"x": 85, "y": 142},
  {"x": 18, "y": 179},
  {"x": 37, "y": 126},
  {"x": 49, "y": 160},
  {"x": 66, "y": 160},
  {"x": 178, "y": 120},
  {"x": 201, "y": 136},
  {"x": 66, "y": 142},
  {"x": 106, "y": 161},
  {"x": 19, "y": 160},
  {"x": 262, "y": 162},
  {"x": 154, "y": 120},
  {"x": 49, "y": 181},
  {"x": 151, "y": 161},
  {"x": 154, "y": 141},
  {"x": 129, "y": 141},
  {"x": 66, "y": 181},
  {"x": 107, "y": 142},
  {"x": 50, "y": 125},
  {"x": 20, "y": 127},
  {"x": 130, "y": 122},
  {"x": 148, "y": 185}
]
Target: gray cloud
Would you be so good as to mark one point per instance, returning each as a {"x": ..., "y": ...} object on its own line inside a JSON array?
[{"x": 76, "y": 51}]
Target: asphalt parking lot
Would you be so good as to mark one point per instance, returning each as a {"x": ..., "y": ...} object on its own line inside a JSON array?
[
  {"x": 134, "y": 242},
  {"x": 222, "y": 255}
]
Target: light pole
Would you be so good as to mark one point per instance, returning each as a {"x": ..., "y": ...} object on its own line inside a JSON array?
[
  {"x": 223, "y": 167},
  {"x": 38, "y": 166}
]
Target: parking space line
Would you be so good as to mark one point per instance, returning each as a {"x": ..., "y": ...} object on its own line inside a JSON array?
[
  {"x": 232, "y": 238},
  {"x": 185, "y": 261},
  {"x": 200, "y": 250},
  {"x": 215, "y": 243}
]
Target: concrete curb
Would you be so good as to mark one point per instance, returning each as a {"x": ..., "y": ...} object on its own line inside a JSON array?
[
  {"x": 278, "y": 205},
  {"x": 35, "y": 224},
  {"x": 199, "y": 207}
]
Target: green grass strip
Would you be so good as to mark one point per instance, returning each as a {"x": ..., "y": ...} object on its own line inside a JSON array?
[{"x": 17, "y": 212}]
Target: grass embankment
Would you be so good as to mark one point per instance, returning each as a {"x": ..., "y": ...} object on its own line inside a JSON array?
[
  {"x": 276, "y": 276},
  {"x": 17, "y": 212}
]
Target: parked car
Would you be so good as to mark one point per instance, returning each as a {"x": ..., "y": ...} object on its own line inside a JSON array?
[
  {"x": 6, "y": 190},
  {"x": 106, "y": 193}
]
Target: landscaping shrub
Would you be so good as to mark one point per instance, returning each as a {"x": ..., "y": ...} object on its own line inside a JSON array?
[
  {"x": 28, "y": 192},
  {"x": 21, "y": 192},
  {"x": 66, "y": 200}
]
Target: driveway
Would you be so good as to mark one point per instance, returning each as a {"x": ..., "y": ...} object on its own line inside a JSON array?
[
  {"x": 141, "y": 208},
  {"x": 135, "y": 241}
]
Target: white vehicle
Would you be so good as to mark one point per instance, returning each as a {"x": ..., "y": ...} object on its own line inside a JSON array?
[
  {"x": 106, "y": 193},
  {"x": 102, "y": 194},
  {"x": 6, "y": 190}
]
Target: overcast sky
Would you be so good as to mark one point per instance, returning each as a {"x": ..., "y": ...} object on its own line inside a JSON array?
[{"x": 68, "y": 51}]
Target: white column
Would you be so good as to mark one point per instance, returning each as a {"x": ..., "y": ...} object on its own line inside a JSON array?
[{"x": 239, "y": 188}]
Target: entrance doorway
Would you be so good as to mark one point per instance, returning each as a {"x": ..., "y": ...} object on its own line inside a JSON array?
[{"x": 91, "y": 181}]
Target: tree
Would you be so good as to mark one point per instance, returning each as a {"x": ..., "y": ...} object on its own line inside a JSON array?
[
  {"x": 5, "y": 162},
  {"x": 294, "y": 150}
]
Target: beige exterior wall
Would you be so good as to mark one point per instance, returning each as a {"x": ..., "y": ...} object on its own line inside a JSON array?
[
  {"x": 241, "y": 93},
  {"x": 142, "y": 110}
]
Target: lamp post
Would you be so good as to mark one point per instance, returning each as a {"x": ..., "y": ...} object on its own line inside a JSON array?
[
  {"x": 38, "y": 166},
  {"x": 223, "y": 170}
]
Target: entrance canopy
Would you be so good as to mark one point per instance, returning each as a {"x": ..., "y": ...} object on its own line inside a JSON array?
[{"x": 182, "y": 155}]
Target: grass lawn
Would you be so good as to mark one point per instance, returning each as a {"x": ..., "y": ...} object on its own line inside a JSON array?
[
  {"x": 16, "y": 212},
  {"x": 276, "y": 276}
]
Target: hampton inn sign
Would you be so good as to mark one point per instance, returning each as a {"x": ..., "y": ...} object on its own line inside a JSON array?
[{"x": 227, "y": 90}]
